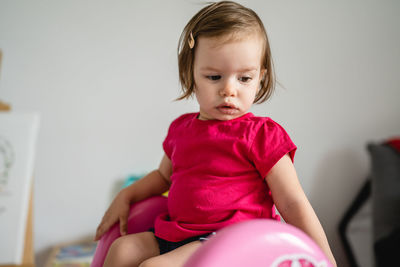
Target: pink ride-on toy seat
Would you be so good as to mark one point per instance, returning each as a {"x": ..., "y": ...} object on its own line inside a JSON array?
[{"x": 256, "y": 243}]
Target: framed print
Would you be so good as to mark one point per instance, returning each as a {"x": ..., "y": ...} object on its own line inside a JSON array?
[{"x": 18, "y": 135}]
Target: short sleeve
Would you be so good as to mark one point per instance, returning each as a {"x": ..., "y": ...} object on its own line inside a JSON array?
[
  {"x": 270, "y": 144},
  {"x": 167, "y": 144},
  {"x": 170, "y": 139}
]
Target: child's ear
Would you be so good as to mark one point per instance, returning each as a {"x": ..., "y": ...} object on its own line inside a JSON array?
[{"x": 262, "y": 74}]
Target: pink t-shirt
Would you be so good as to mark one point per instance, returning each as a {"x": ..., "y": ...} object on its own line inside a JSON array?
[{"x": 218, "y": 173}]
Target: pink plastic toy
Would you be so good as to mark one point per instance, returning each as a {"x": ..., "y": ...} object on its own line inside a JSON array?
[
  {"x": 259, "y": 243},
  {"x": 256, "y": 243}
]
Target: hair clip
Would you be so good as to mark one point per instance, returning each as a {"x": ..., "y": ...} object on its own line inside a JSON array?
[{"x": 191, "y": 41}]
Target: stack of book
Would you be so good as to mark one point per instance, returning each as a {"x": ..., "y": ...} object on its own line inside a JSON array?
[{"x": 72, "y": 255}]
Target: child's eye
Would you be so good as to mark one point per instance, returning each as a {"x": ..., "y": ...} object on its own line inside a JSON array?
[
  {"x": 245, "y": 79},
  {"x": 214, "y": 77}
]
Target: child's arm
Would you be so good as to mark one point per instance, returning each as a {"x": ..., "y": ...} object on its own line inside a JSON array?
[
  {"x": 293, "y": 205},
  {"x": 154, "y": 183}
]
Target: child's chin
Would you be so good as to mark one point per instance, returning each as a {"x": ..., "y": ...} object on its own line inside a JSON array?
[
  {"x": 221, "y": 116},
  {"x": 227, "y": 117}
]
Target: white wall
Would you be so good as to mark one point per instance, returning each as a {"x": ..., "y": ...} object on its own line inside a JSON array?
[{"x": 104, "y": 76}]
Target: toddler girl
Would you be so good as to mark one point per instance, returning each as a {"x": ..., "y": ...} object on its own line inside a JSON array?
[{"x": 221, "y": 165}]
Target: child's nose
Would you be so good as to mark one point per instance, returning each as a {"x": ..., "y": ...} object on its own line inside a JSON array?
[{"x": 228, "y": 89}]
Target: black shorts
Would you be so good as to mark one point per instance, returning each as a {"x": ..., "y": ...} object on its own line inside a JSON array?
[{"x": 167, "y": 246}]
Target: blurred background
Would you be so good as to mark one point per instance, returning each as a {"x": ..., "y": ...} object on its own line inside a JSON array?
[{"x": 103, "y": 75}]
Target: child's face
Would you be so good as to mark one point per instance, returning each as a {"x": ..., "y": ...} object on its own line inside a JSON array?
[{"x": 227, "y": 76}]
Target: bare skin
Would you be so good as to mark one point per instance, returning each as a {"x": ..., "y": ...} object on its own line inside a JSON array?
[
  {"x": 175, "y": 258},
  {"x": 141, "y": 250},
  {"x": 132, "y": 250}
]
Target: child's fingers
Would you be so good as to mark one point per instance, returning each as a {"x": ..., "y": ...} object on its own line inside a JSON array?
[
  {"x": 98, "y": 234},
  {"x": 122, "y": 224},
  {"x": 102, "y": 228}
]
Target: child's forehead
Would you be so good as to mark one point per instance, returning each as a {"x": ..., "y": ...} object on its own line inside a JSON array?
[
  {"x": 216, "y": 42},
  {"x": 239, "y": 53}
]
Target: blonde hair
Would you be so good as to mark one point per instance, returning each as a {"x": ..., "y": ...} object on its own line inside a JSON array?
[{"x": 226, "y": 19}]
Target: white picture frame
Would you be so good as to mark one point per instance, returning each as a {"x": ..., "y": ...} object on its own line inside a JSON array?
[{"x": 18, "y": 136}]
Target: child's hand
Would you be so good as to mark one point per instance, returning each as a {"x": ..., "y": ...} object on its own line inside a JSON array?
[{"x": 118, "y": 211}]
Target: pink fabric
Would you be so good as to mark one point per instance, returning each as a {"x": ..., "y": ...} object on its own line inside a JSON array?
[{"x": 218, "y": 173}]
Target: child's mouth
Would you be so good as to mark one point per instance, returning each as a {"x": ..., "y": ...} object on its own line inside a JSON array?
[{"x": 228, "y": 109}]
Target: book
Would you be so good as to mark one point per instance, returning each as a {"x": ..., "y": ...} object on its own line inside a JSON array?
[{"x": 73, "y": 255}]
